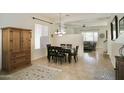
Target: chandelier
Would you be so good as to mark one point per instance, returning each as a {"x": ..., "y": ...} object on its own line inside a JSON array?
[{"x": 60, "y": 31}]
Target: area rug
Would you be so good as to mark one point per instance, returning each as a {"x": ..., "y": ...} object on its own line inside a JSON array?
[{"x": 35, "y": 72}]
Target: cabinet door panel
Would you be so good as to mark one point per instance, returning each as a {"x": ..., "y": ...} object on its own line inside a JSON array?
[
  {"x": 15, "y": 40},
  {"x": 26, "y": 44}
]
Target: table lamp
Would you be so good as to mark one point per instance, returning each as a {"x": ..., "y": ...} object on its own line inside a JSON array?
[{"x": 120, "y": 40}]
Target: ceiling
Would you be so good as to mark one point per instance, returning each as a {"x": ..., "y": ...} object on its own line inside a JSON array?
[{"x": 80, "y": 19}]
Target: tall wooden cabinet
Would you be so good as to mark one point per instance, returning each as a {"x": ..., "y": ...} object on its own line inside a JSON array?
[
  {"x": 16, "y": 48},
  {"x": 119, "y": 70}
]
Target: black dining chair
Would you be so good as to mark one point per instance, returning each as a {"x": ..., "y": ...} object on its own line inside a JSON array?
[
  {"x": 69, "y": 46},
  {"x": 75, "y": 54},
  {"x": 61, "y": 56},
  {"x": 51, "y": 53},
  {"x": 63, "y": 45},
  {"x": 48, "y": 45}
]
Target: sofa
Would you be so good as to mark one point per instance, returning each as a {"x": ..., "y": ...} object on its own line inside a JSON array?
[{"x": 89, "y": 45}]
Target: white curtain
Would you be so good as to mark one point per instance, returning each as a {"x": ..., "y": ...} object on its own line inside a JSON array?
[
  {"x": 41, "y": 36},
  {"x": 90, "y": 36}
]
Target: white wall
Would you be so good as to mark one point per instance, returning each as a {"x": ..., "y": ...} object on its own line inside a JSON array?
[
  {"x": 24, "y": 20},
  {"x": 100, "y": 43},
  {"x": 113, "y": 48},
  {"x": 74, "y": 39}
]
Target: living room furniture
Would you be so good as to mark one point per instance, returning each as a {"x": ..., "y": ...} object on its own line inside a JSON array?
[
  {"x": 89, "y": 45},
  {"x": 16, "y": 48},
  {"x": 119, "y": 70}
]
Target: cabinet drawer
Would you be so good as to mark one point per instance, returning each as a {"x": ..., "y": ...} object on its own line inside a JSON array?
[
  {"x": 12, "y": 57},
  {"x": 28, "y": 56},
  {"x": 28, "y": 60},
  {"x": 17, "y": 54},
  {"x": 18, "y": 65},
  {"x": 27, "y": 52},
  {"x": 18, "y": 60}
]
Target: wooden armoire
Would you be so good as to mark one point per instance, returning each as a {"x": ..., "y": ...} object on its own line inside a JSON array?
[{"x": 16, "y": 48}]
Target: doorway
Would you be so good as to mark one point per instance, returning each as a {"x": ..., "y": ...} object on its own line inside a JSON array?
[{"x": 89, "y": 41}]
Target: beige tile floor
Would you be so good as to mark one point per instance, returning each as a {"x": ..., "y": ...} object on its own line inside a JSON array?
[{"x": 90, "y": 66}]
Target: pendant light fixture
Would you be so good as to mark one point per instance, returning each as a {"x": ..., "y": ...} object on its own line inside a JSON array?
[{"x": 60, "y": 31}]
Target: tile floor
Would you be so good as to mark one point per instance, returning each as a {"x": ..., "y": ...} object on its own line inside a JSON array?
[{"x": 91, "y": 66}]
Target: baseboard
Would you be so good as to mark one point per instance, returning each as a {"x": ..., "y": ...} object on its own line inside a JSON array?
[{"x": 36, "y": 58}]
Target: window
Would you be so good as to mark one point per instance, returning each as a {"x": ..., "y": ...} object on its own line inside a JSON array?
[
  {"x": 41, "y": 36},
  {"x": 90, "y": 36}
]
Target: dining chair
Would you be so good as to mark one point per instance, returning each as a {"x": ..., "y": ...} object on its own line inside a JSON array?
[
  {"x": 61, "y": 56},
  {"x": 52, "y": 53},
  {"x": 48, "y": 45},
  {"x": 75, "y": 54},
  {"x": 69, "y": 45},
  {"x": 62, "y": 45}
]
